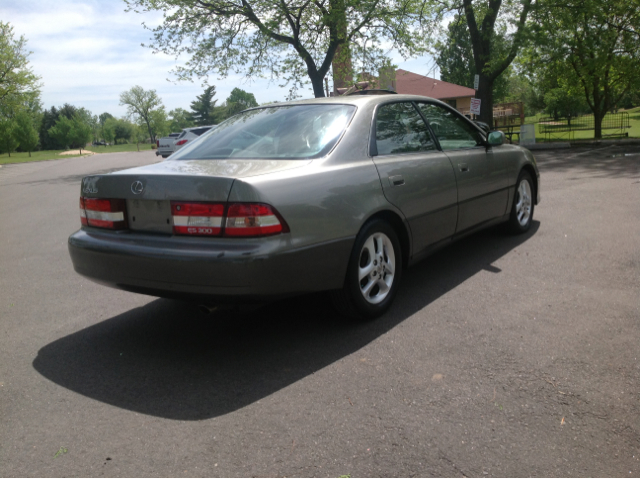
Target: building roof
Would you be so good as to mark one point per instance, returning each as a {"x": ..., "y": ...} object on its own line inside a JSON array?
[{"x": 413, "y": 84}]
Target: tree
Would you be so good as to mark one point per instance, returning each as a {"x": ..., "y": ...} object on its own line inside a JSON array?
[
  {"x": 8, "y": 139},
  {"x": 71, "y": 132},
  {"x": 25, "y": 132},
  {"x": 493, "y": 25},
  {"x": 159, "y": 122},
  {"x": 16, "y": 78},
  {"x": 109, "y": 129},
  {"x": 203, "y": 108},
  {"x": 288, "y": 39},
  {"x": 179, "y": 119},
  {"x": 123, "y": 130},
  {"x": 596, "y": 46},
  {"x": 239, "y": 100},
  {"x": 138, "y": 134},
  {"x": 142, "y": 104},
  {"x": 456, "y": 61},
  {"x": 49, "y": 119},
  {"x": 102, "y": 118}
]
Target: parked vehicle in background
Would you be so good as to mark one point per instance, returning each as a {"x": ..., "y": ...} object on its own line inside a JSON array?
[
  {"x": 166, "y": 145},
  {"x": 190, "y": 134}
]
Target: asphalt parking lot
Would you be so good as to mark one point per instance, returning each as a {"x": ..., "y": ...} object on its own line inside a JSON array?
[{"x": 503, "y": 356}]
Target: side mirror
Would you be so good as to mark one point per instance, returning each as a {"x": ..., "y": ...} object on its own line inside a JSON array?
[{"x": 496, "y": 138}]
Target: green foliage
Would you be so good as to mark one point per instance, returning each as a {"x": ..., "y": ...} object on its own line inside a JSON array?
[
  {"x": 141, "y": 106},
  {"x": 239, "y": 100},
  {"x": 203, "y": 109},
  {"x": 123, "y": 130},
  {"x": 592, "y": 47},
  {"x": 456, "y": 62},
  {"x": 17, "y": 81},
  {"x": 74, "y": 132},
  {"x": 291, "y": 41},
  {"x": 179, "y": 119},
  {"x": 159, "y": 122},
  {"x": 8, "y": 139},
  {"x": 109, "y": 130},
  {"x": 26, "y": 132},
  {"x": 497, "y": 30}
]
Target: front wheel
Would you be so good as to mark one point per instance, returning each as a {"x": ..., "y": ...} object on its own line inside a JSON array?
[
  {"x": 373, "y": 273},
  {"x": 523, "y": 204}
]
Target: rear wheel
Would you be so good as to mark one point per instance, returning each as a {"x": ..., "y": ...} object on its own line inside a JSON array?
[
  {"x": 522, "y": 209},
  {"x": 373, "y": 273}
]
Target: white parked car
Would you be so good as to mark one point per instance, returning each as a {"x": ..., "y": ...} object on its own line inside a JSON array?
[
  {"x": 190, "y": 134},
  {"x": 166, "y": 145}
]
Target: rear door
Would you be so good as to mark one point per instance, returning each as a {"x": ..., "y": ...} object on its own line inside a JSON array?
[
  {"x": 415, "y": 176},
  {"x": 481, "y": 176}
]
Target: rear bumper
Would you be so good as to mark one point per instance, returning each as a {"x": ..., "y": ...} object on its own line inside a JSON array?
[{"x": 226, "y": 269}]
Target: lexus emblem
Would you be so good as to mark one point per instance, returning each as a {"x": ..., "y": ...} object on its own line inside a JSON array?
[{"x": 137, "y": 187}]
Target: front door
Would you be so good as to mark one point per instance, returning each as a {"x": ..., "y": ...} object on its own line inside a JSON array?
[{"x": 481, "y": 176}]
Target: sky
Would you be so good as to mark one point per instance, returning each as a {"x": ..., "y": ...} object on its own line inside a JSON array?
[{"x": 87, "y": 52}]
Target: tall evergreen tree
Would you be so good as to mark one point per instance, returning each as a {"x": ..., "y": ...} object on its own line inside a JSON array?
[{"x": 203, "y": 108}]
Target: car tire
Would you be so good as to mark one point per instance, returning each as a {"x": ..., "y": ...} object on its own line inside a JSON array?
[
  {"x": 523, "y": 205},
  {"x": 373, "y": 273}
]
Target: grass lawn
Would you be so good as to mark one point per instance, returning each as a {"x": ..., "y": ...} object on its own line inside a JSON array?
[
  {"x": 35, "y": 156},
  {"x": 119, "y": 148},
  {"x": 55, "y": 154}
]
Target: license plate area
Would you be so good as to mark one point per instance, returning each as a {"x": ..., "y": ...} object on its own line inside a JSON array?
[{"x": 150, "y": 215}]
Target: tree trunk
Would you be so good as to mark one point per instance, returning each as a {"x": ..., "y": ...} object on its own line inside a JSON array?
[
  {"x": 341, "y": 63},
  {"x": 598, "y": 116},
  {"x": 318, "y": 88},
  {"x": 485, "y": 94},
  {"x": 29, "y": 154}
]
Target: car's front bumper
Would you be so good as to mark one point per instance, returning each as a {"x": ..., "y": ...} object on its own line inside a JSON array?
[{"x": 227, "y": 269}]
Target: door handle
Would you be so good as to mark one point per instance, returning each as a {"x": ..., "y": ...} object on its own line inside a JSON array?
[
  {"x": 463, "y": 167},
  {"x": 396, "y": 180}
]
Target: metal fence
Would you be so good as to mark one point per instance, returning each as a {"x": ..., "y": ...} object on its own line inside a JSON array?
[{"x": 552, "y": 127}]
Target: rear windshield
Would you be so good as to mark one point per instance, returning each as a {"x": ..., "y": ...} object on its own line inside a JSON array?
[{"x": 292, "y": 132}]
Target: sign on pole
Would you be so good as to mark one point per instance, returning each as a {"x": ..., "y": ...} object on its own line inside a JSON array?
[
  {"x": 476, "y": 82},
  {"x": 475, "y": 106}
]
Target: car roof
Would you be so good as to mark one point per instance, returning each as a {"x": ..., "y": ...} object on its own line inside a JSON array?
[{"x": 354, "y": 100}]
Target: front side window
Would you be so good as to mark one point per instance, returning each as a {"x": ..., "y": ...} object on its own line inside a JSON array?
[
  {"x": 283, "y": 132},
  {"x": 452, "y": 132},
  {"x": 400, "y": 129}
]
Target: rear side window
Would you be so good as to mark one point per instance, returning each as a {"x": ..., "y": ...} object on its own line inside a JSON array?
[
  {"x": 182, "y": 134},
  {"x": 452, "y": 132},
  {"x": 200, "y": 131},
  {"x": 400, "y": 129}
]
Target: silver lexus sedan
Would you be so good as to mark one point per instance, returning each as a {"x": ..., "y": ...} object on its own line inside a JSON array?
[{"x": 337, "y": 194}]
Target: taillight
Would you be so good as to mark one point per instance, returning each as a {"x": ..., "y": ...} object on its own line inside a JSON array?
[
  {"x": 181, "y": 142},
  {"x": 83, "y": 214},
  {"x": 253, "y": 219},
  {"x": 103, "y": 213},
  {"x": 198, "y": 219},
  {"x": 158, "y": 143}
]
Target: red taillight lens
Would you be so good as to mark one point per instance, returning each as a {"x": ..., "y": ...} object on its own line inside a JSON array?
[
  {"x": 103, "y": 213},
  {"x": 158, "y": 143},
  {"x": 253, "y": 219},
  {"x": 197, "y": 219},
  {"x": 181, "y": 142}
]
